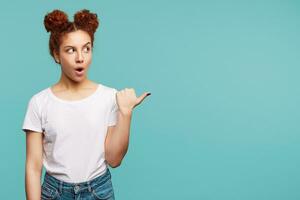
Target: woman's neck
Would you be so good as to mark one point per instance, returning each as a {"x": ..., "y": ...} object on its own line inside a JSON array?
[{"x": 66, "y": 84}]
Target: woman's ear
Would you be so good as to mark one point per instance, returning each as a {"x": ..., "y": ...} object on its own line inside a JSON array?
[{"x": 56, "y": 57}]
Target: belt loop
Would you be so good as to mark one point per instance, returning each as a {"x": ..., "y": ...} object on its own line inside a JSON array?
[
  {"x": 60, "y": 187},
  {"x": 89, "y": 186}
]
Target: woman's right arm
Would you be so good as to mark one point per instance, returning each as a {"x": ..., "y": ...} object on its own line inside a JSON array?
[{"x": 34, "y": 164}]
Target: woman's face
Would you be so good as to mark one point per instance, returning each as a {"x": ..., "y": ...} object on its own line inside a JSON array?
[{"x": 75, "y": 55}]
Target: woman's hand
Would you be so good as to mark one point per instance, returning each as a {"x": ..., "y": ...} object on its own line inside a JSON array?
[{"x": 127, "y": 100}]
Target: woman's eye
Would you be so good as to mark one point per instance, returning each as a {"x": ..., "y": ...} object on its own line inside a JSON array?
[
  {"x": 87, "y": 49},
  {"x": 70, "y": 50}
]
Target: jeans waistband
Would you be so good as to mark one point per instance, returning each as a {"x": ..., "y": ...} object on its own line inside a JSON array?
[{"x": 77, "y": 187}]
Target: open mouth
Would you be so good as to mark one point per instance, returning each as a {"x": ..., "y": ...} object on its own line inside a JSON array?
[{"x": 79, "y": 69}]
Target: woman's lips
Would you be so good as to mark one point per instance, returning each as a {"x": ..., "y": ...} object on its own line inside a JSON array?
[{"x": 79, "y": 71}]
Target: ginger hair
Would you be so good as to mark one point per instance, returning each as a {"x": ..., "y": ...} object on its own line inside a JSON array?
[{"x": 57, "y": 23}]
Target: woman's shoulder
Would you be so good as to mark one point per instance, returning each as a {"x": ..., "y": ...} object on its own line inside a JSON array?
[
  {"x": 108, "y": 88},
  {"x": 42, "y": 92},
  {"x": 40, "y": 95}
]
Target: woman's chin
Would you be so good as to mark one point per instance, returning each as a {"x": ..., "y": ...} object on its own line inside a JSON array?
[{"x": 78, "y": 79}]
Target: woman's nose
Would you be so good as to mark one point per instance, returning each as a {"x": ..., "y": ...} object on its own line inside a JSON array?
[{"x": 79, "y": 58}]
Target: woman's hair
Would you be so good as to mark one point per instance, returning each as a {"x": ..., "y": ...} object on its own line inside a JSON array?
[{"x": 58, "y": 24}]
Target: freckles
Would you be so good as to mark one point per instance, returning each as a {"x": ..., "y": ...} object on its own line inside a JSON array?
[{"x": 88, "y": 57}]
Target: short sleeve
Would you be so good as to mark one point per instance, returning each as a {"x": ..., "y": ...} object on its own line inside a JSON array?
[
  {"x": 113, "y": 115},
  {"x": 32, "y": 120}
]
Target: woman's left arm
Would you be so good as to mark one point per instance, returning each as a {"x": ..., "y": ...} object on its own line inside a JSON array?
[{"x": 117, "y": 138}]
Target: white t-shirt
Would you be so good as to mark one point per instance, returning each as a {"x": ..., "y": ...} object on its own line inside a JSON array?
[{"x": 74, "y": 132}]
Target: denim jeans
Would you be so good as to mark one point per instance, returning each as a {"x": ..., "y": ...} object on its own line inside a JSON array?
[{"x": 99, "y": 188}]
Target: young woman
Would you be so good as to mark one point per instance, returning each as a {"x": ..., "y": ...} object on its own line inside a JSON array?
[{"x": 75, "y": 128}]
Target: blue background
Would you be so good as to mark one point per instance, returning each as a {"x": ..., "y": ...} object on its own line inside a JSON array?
[{"x": 222, "y": 120}]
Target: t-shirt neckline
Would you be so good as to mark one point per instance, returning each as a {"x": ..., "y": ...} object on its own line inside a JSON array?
[{"x": 74, "y": 101}]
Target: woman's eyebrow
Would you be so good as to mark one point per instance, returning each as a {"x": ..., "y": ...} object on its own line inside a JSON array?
[{"x": 72, "y": 46}]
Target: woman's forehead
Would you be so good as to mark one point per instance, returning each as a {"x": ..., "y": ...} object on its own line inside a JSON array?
[{"x": 76, "y": 38}]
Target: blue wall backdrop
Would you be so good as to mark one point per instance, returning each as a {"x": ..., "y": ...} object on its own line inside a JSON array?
[{"x": 222, "y": 120}]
